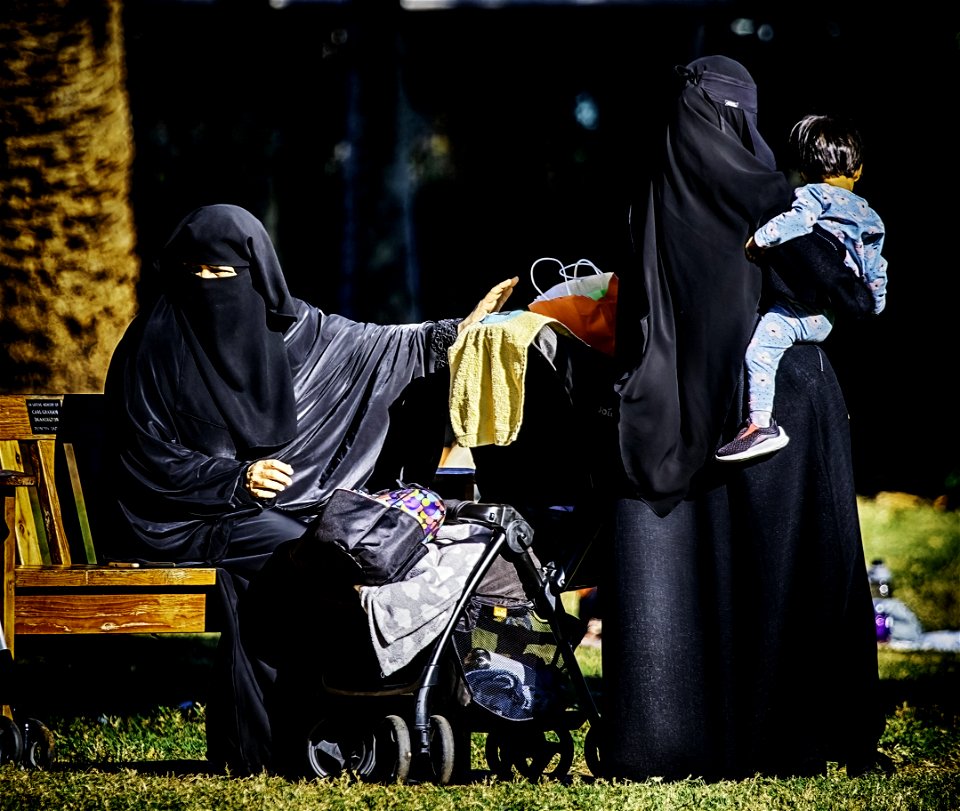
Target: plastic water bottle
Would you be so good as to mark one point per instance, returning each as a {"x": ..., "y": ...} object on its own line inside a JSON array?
[
  {"x": 881, "y": 579},
  {"x": 883, "y": 621}
]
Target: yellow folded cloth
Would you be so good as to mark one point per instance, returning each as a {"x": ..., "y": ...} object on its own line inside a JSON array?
[{"x": 488, "y": 363}]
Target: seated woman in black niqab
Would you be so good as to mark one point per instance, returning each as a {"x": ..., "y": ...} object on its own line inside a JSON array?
[{"x": 238, "y": 410}]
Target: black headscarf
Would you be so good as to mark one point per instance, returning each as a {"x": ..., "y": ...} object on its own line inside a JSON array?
[
  {"x": 685, "y": 317},
  {"x": 234, "y": 325}
]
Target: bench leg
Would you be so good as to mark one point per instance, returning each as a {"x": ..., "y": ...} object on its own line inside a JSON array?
[{"x": 7, "y": 618}]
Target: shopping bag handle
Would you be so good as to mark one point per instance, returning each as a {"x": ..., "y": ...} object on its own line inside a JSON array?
[{"x": 563, "y": 272}]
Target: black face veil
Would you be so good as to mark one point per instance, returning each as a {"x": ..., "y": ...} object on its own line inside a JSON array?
[
  {"x": 685, "y": 318},
  {"x": 234, "y": 325}
]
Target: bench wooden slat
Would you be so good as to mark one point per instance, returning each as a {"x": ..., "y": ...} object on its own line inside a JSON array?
[
  {"x": 110, "y": 613},
  {"x": 42, "y": 461},
  {"x": 9, "y": 560},
  {"x": 77, "y": 488},
  {"x": 103, "y": 576},
  {"x": 28, "y": 547}
]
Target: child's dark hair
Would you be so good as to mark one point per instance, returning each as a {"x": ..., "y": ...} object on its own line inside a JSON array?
[{"x": 826, "y": 146}]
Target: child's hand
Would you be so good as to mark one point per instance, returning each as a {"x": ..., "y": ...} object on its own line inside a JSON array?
[{"x": 753, "y": 251}]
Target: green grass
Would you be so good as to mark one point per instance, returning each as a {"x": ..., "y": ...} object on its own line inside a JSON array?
[
  {"x": 152, "y": 758},
  {"x": 154, "y": 761}
]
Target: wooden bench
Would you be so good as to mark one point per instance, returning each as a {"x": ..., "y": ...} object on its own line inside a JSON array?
[{"x": 54, "y": 581}]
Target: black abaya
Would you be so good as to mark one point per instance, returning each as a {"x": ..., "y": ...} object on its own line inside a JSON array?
[{"x": 742, "y": 639}]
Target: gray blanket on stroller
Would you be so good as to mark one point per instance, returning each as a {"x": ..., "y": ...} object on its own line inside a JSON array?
[{"x": 406, "y": 616}]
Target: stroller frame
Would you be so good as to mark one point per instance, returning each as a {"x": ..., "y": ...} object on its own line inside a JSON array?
[{"x": 426, "y": 746}]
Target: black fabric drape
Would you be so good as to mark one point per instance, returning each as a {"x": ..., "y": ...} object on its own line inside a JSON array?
[
  {"x": 740, "y": 636},
  {"x": 685, "y": 314},
  {"x": 180, "y": 463},
  {"x": 233, "y": 326},
  {"x": 810, "y": 270}
]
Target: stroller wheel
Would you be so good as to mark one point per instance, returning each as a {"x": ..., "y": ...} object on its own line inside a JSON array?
[
  {"x": 441, "y": 749},
  {"x": 37, "y": 744},
  {"x": 11, "y": 741},
  {"x": 591, "y": 750},
  {"x": 533, "y": 754},
  {"x": 332, "y": 749},
  {"x": 392, "y": 752}
]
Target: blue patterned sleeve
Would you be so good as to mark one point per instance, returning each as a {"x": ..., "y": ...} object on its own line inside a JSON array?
[
  {"x": 875, "y": 274},
  {"x": 798, "y": 220}
]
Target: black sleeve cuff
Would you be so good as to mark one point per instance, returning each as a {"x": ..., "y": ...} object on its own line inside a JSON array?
[{"x": 444, "y": 334}]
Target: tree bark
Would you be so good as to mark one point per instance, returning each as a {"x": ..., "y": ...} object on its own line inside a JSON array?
[{"x": 68, "y": 264}]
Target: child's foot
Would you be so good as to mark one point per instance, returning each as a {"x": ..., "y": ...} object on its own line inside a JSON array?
[{"x": 752, "y": 441}]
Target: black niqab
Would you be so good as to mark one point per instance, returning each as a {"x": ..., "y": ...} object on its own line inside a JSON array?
[
  {"x": 715, "y": 184},
  {"x": 234, "y": 325}
]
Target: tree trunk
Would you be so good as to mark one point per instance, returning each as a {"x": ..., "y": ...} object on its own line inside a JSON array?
[{"x": 68, "y": 266}]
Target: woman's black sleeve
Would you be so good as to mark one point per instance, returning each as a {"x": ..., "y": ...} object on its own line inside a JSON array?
[{"x": 810, "y": 270}]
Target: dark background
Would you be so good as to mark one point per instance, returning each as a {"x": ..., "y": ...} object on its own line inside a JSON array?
[{"x": 406, "y": 160}]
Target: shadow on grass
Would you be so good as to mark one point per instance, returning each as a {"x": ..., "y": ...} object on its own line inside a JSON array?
[
  {"x": 95, "y": 677},
  {"x": 928, "y": 691},
  {"x": 924, "y": 680},
  {"x": 123, "y": 675},
  {"x": 73, "y": 676}
]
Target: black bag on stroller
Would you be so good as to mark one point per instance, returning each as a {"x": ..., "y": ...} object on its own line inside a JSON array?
[{"x": 383, "y": 534}]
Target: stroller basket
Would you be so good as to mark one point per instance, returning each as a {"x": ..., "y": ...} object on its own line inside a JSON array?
[{"x": 511, "y": 663}]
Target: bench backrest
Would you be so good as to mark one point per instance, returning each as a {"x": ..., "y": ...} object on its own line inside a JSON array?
[
  {"x": 60, "y": 439},
  {"x": 81, "y": 454},
  {"x": 28, "y": 426}
]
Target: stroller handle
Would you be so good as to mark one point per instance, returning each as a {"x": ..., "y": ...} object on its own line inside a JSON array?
[{"x": 519, "y": 533}]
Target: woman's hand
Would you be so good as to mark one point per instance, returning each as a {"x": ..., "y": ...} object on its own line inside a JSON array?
[
  {"x": 265, "y": 478},
  {"x": 490, "y": 303}
]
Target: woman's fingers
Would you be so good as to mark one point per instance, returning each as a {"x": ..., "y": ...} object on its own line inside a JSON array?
[
  {"x": 267, "y": 477},
  {"x": 506, "y": 290},
  {"x": 490, "y": 303}
]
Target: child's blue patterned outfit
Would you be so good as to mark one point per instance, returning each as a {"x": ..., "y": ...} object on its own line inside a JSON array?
[{"x": 848, "y": 217}]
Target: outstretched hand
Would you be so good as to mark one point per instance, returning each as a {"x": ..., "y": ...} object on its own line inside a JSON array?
[{"x": 490, "y": 303}]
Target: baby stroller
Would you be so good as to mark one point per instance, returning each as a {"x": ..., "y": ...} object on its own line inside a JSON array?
[{"x": 502, "y": 663}]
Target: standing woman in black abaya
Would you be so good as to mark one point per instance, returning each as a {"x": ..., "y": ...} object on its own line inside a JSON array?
[{"x": 738, "y": 629}]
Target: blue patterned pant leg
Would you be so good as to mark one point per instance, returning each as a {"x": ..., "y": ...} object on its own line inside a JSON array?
[{"x": 779, "y": 328}]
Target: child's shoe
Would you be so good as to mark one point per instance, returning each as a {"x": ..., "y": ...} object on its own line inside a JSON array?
[{"x": 752, "y": 441}]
